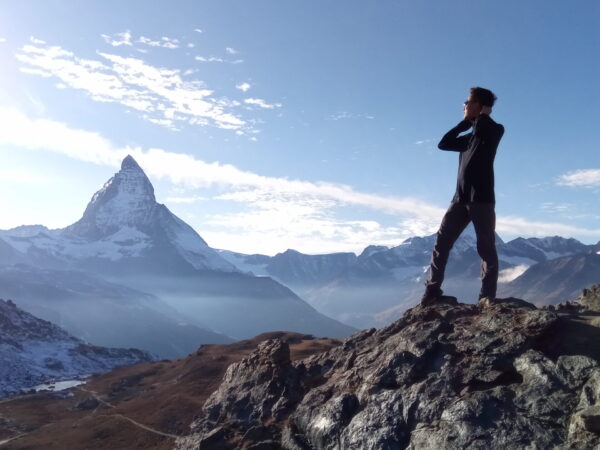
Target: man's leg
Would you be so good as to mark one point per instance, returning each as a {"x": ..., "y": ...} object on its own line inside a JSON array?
[
  {"x": 483, "y": 216},
  {"x": 454, "y": 222}
]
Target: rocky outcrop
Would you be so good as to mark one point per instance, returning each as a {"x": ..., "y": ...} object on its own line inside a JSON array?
[
  {"x": 441, "y": 377},
  {"x": 590, "y": 298}
]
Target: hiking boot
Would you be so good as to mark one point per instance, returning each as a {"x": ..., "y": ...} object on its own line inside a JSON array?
[
  {"x": 436, "y": 298},
  {"x": 486, "y": 301}
]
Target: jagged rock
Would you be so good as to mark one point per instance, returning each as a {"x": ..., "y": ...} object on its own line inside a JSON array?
[
  {"x": 441, "y": 377},
  {"x": 591, "y": 298}
]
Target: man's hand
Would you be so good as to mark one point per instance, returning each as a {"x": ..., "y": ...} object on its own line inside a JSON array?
[{"x": 486, "y": 110}]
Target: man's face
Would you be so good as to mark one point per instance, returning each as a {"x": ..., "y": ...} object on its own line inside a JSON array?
[{"x": 471, "y": 109}]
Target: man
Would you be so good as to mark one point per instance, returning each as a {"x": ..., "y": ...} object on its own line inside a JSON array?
[{"x": 474, "y": 199}]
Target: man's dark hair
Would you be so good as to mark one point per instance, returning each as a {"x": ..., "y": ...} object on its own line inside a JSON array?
[{"x": 483, "y": 96}]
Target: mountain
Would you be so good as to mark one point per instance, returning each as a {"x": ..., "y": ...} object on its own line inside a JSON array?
[
  {"x": 34, "y": 351},
  {"x": 104, "y": 313},
  {"x": 127, "y": 238},
  {"x": 374, "y": 288},
  {"x": 505, "y": 375},
  {"x": 123, "y": 230},
  {"x": 556, "y": 280}
]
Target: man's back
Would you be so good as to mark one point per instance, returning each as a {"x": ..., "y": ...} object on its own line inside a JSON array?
[{"x": 475, "y": 180}]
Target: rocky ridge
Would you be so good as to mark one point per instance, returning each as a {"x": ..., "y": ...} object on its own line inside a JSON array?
[{"x": 507, "y": 375}]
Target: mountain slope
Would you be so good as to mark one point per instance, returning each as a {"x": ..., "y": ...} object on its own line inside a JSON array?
[
  {"x": 34, "y": 351},
  {"x": 104, "y": 313},
  {"x": 128, "y": 238},
  {"x": 556, "y": 280},
  {"x": 374, "y": 288}
]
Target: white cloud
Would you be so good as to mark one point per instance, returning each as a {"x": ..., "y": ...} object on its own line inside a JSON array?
[
  {"x": 191, "y": 45},
  {"x": 209, "y": 59},
  {"x": 243, "y": 86},
  {"x": 231, "y": 51},
  {"x": 342, "y": 115},
  {"x": 580, "y": 178},
  {"x": 262, "y": 103},
  {"x": 159, "y": 93},
  {"x": 507, "y": 275},
  {"x": 2, "y": 40},
  {"x": 424, "y": 141},
  {"x": 116, "y": 40},
  {"x": 164, "y": 42},
  {"x": 217, "y": 59},
  {"x": 192, "y": 199},
  {"x": 34, "y": 40},
  {"x": 300, "y": 213},
  {"x": 198, "y": 30}
]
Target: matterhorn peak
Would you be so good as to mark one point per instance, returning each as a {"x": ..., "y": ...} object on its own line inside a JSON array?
[
  {"x": 130, "y": 163},
  {"x": 126, "y": 199}
]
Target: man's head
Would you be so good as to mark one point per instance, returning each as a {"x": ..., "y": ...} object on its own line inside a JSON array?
[{"x": 480, "y": 101}]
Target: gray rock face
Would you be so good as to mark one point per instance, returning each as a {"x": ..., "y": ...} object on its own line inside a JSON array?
[
  {"x": 590, "y": 298},
  {"x": 441, "y": 377}
]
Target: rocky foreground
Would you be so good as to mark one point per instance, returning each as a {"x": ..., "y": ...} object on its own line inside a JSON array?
[{"x": 502, "y": 375}]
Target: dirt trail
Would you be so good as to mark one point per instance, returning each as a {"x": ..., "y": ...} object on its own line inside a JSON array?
[{"x": 129, "y": 419}]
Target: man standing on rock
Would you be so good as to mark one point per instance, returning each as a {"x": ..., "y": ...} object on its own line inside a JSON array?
[{"x": 474, "y": 199}]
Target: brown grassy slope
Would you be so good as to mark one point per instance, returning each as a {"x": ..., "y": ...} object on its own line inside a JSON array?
[{"x": 162, "y": 396}]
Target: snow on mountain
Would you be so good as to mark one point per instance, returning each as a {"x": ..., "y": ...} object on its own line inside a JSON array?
[
  {"x": 122, "y": 222},
  {"x": 251, "y": 264},
  {"x": 34, "y": 351},
  {"x": 129, "y": 238}
]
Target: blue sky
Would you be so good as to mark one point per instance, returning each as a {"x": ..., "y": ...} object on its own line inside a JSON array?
[{"x": 311, "y": 125}]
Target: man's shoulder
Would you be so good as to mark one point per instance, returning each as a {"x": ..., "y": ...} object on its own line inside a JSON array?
[{"x": 489, "y": 122}]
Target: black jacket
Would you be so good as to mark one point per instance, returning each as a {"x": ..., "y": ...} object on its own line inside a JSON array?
[{"x": 475, "y": 182}]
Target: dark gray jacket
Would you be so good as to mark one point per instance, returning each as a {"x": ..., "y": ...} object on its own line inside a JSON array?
[{"x": 475, "y": 181}]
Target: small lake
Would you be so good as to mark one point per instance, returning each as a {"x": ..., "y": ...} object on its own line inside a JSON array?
[{"x": 58, "y": 386}]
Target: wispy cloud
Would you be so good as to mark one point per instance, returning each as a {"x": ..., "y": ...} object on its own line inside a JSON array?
[
  {"x": 198, "y": 30},
  {"x": 424, "y": 141},
  {"x": 243, "y": 86},
  {"x": 292, "y": 211},
  {"x": 2, "y": 40},
  {"x": 507, "y": 275},
  {"x": 262, "y": 103},
  {"x": 164, "y": 42},
  {"x": 35, "y": 40},
  {"x": 343, "y": 115},
  {"x": 231, "y": 51},
  {"x": 217, "y": 59},
  {"x": 588, "y": 178},
  {"x": 191, "y": 199},
  {"x": 116, "y": 40},
  {"x": 158, "y": 93}
]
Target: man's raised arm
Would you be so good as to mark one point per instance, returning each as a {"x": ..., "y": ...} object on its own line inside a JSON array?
[{"x": 451, "y": 140}]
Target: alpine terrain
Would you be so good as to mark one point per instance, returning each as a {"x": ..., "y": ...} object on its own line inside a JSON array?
[
  {"x": 131, "y": 273},
  {"x": 34, "y": 351}
]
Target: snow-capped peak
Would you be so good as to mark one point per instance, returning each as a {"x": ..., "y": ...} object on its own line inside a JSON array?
[{"x": 127, "y": 199}]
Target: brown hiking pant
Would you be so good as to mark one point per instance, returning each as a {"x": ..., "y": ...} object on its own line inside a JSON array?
[{"x": 453, "y": 224}]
